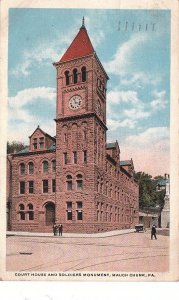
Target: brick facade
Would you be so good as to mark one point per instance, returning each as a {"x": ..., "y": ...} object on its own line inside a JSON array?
[{"x": 89, "y": 189}]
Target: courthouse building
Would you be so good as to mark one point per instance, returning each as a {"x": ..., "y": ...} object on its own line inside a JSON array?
[{"x": 75, "y": 178}]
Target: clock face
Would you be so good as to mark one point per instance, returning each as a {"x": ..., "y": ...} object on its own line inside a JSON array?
[{"x": 75, "y": 102}]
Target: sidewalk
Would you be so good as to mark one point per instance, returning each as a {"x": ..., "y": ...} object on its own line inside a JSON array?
[{"x": 71, "y": 235}]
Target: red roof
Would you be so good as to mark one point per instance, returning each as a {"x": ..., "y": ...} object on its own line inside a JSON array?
[{"x": 81, "y": 46}]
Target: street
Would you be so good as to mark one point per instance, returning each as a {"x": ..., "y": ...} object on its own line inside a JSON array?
[{"x": 133, "y": 252}]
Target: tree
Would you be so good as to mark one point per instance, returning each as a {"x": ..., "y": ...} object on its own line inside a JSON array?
[
  {"x": 15, "y": 146},
  {"x": 149, "y": 197}
]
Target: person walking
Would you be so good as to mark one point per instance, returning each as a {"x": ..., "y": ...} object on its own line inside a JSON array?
[
  {"x": 60, "y": 229},
  {"x": 153, "y": 232},
  {"x": 54, "y": 229}
]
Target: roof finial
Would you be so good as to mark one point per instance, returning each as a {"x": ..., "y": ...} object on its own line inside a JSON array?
[{"x": 83, "y": 23}]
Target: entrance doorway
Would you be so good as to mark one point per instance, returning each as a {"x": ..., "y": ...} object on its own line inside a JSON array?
[{"x": 49, "y": 214}]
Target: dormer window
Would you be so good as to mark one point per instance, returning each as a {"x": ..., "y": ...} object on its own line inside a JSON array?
[
  {"x": 83, "y": 74},
  {"x": 35, "y": 143},
  {"x": 41, "y": 143}
]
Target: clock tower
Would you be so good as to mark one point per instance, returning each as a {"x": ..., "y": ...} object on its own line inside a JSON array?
[{"x": 80, "y": 133}]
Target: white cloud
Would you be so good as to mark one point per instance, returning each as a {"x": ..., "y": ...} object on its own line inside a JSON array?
[
  {"x": 135, "y": 109},
  {"x": 122, "y": 60},
  {"x": 21, "y": 120},
  {"x": 136, "y": 113},
  {"x": 152, "y": 137},
  {"x": 159, "y": 102},
  {"x": 17, "y": 103},
  {"x": 117, "y": 97},
  {"x": 139, "y": 79},
  {"x": 50, "y": 50},
  {"x": 149, "y": 150},
  {"x": 114, "y": 124}
]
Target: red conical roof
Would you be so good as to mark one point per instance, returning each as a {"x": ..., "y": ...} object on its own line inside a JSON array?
[{"x": 81, "y": 46}]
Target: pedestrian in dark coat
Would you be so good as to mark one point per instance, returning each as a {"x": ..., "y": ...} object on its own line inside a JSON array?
[
  {"x": 54, "y": 229},
  {"x": 60, "y": 229},
  {"x": 153, "y": 232}
]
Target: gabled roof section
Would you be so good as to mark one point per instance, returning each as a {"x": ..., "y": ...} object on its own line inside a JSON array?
[
  {"x": 127, "y": 163},
  {"x": 80, "y": 46},
  {"x": 110, "y": 145},
  {"x": 43, "y": 132}
]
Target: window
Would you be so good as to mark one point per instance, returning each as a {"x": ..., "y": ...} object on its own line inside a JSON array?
[
  {"x": 30, "y": 206},
  {"x": 31, "y": 167},
  {"x": 22, "y": 187},
  {"x": 67, "y": 78},
  {"x": 69, "y": 182},
  {"x": 22, "y": 169},
  {"x": 110, "y": 191},
  {"x": 22, "y": 215},
  {"x": 21, "y": 207},
  {"x": 69, "y": 210},
  {"x": 75, "y": 76},
  {"x": 31, "y": 187},
  {"x": 98, "y": 184},
  {"x": 45, "y": 186},
  {"x": 53, "y": 185},
  {"x": 79, "y": 211},
  {"x": 83, "y": 74},
  {"x": 30, "y": 213},
  {"x": 79, "y": 181},
  {"x": 41, "y": 143},
  {"x": 54, "y": 165},
  {"x": 65, "y": 137},
  {"x": 35, "y": 143},
  {"x": 45, "y": 166},
  {"x": 101, "y": 186},
  {"x": 75, "y": 157},
  {"x": 85, "y": 156},
  {"x": 106, "y": 188},
  {"x": 21, "y": 212},
  {"x": 84, "y": 134},
  {"x": 65, "y": 158}
]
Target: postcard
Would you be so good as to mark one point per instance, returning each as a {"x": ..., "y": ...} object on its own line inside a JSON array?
[{"x": 89, "y": 140}]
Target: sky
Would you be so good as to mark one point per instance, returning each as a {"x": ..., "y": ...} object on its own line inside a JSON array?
[{"x": 134, "y": 48}]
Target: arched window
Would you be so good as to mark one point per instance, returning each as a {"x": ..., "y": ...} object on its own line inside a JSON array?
[
  {"x": 75, "y": 76},
  {"x": 21, "y": 212},
  {"x": 22, "y": 169},
  {"x": 67, "y": 77},
  {"x": 30, "y": 206},
  {"x": 83, "y": 74},
  {"x": 31, "y": 167},
  {"x": 54, "y": 165},
  {"x": 69, "y": 182},
  {"x": 21, "y": 206},
  {"x": 79, "y": 182},
  {"x": 45, "y": 166}
]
